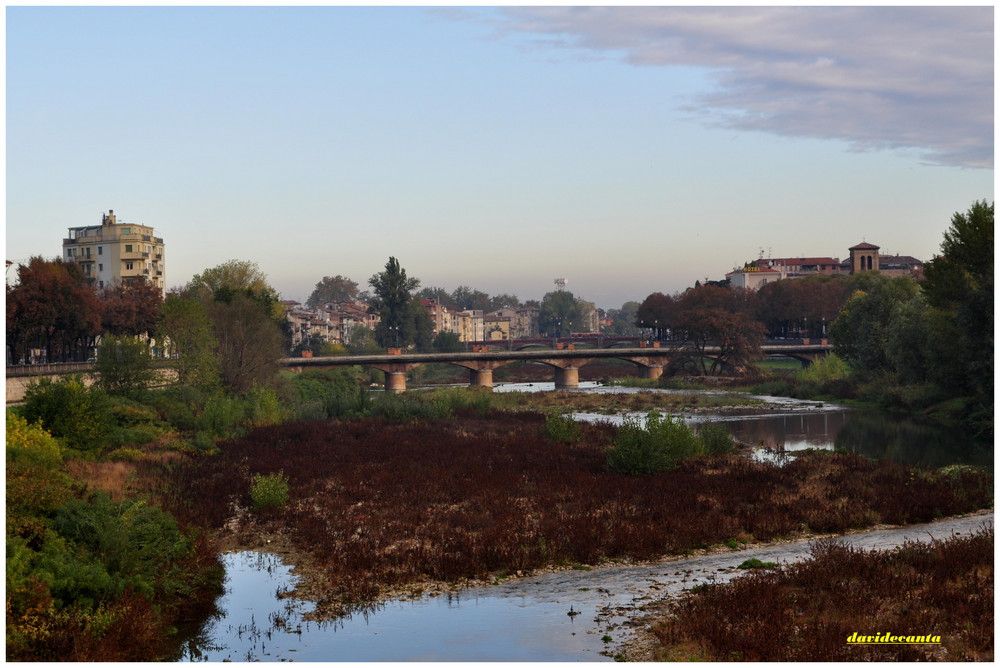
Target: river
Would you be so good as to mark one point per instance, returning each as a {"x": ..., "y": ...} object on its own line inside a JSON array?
[{"x": 564, "y": 616}]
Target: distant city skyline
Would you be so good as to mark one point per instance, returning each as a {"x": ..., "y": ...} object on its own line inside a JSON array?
[{"x": 629, "y": 150}]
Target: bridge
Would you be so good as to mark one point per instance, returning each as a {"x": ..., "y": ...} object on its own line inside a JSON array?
[{"x": 565, "y": 362}]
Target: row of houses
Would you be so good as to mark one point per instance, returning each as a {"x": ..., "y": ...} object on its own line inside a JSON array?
[
  {"x": 334, "y": 322},
  {"x": 863, "y": 257}
]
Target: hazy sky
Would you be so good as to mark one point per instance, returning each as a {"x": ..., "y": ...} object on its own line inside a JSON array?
[{"x": 629, "y": 150}]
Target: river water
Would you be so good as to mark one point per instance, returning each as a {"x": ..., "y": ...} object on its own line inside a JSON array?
[{"x": 566, "y": 616}]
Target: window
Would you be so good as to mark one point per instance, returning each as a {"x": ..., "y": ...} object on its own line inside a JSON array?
[
  {"x": 128, "y": 265},
  {"x": 100, "y": 267},
  {"x": 128, "y": 248},
  {"x": 100, "y": 250},
  {"x": 88, "y": 251},
  {"x": 126, "y": 230}
]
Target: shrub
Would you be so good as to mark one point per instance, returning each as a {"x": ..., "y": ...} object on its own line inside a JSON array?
[
  {"x": 80, "y": 416},
  {"x": 269, "y": 492},
  {"x": 223, "y": 417},
  {"x": 561, "y": 428},
  {"x": 715, "y": 439},
  {"x": 263, "y": 408},
  {"x": 658, "y": 445},
  {"x": 31, "y": 443}
]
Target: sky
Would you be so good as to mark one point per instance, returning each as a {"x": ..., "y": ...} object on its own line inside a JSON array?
[{"x": 628, "y": 150}]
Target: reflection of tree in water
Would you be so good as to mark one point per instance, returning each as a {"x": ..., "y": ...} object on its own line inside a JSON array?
[
  {"x": 799, "y": 430},
  {"x": 882, "y": 436}
]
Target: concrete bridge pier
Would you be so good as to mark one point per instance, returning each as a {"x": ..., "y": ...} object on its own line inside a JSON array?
[
  {"x": 567, "y": 378},
  {"x": 481, "y": 371},
  {"x": 651, "y": 372},
  {"x": 481, "y": 378},
  {"x": 395, "y": 375}
]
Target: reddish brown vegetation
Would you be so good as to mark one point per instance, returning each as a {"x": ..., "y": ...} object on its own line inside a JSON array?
[
  {"x": 806, "y": 611},
  {"x": 378, "y": 505}
]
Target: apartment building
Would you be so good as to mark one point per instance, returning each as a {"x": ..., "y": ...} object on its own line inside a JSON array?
[{"x": 114, "y": 253}]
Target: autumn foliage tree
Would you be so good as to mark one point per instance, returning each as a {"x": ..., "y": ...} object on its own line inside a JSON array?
[
  {"x": 52, "y": 308},
  {"x": 131, "y": 309}
]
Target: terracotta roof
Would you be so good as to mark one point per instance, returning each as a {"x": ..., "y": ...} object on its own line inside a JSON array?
[{"x": 864, "y": 246}]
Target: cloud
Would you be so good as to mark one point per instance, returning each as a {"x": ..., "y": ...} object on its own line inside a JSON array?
[{"x": 877, "y": 77}]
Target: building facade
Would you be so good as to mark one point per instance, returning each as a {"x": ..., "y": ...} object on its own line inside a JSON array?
[{"x": 114, "y": 253}]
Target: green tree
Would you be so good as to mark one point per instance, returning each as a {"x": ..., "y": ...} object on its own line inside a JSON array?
[
  {"x": 860, "y": 334},
  {"x": 186, "y": 331},
  {"x": 247, "y": 322},
  {"x": 361, "y": 341},
  {"x": 249, "y": 342},
  {"x": 466, "y": 299},
  {"x": 125, "y": 365},
  {"x": 960, "y": 283},
  {"x": 560, "y": 314},
  {"x": 231, "y": 276},
  {"x": 623, "y": 320},
  {"x": 393, "y": 302},
  {"x": 448, "y": 342},
  {"x": 333, "y": 289}
]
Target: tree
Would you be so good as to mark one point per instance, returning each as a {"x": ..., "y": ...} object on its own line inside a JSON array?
[
  {"x": 439, "y": 295},
  {"x": 560, "y": 314},
  {"x": 859, "y": 333},
  {"x": 131, "y": 308},
  {"x": 448, "y": 342},
  {"x": 498, "y": 302},
  {"x": 125, "y": 365},
  {"x": 229, "y": 277},
  {"x": 713, "y": 315},
  {"x": 52, "y": 307},
  {"x": 186, "y": 330},
  {"x": 333, "y": 289},
  {"x": 249, "y": 342},
  {"x": 392, "y": 301},
  {"x": 246, "y": 322},
  {"x": 467, "y": 299},
  {"x": 623, "y": 320},
  {"x": 361, "y": 341},
  {"x": 960, "y": 283},
  {"x": 657, "y": 313}
]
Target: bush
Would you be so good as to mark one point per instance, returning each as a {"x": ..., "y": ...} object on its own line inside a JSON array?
[
  {"x": 269, "y": 492},
  {"x": 223, "y": 417},
  {"x": 715, "y": 439},
  {"x": 80, "y": 416},
  {"x": 263, "y": 408},
  {"x": 31, "y": 443},
  {"x": 562, "y": 428},
  {"x": 659, "y": 445}
]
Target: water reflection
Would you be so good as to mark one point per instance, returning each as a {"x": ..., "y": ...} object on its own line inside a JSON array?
[
  {"x": 909, "y": 441},
  {"x": 260, "y": 624}
]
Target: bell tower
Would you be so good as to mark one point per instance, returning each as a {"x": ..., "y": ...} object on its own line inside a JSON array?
[{"x": 864, "y": 257}]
